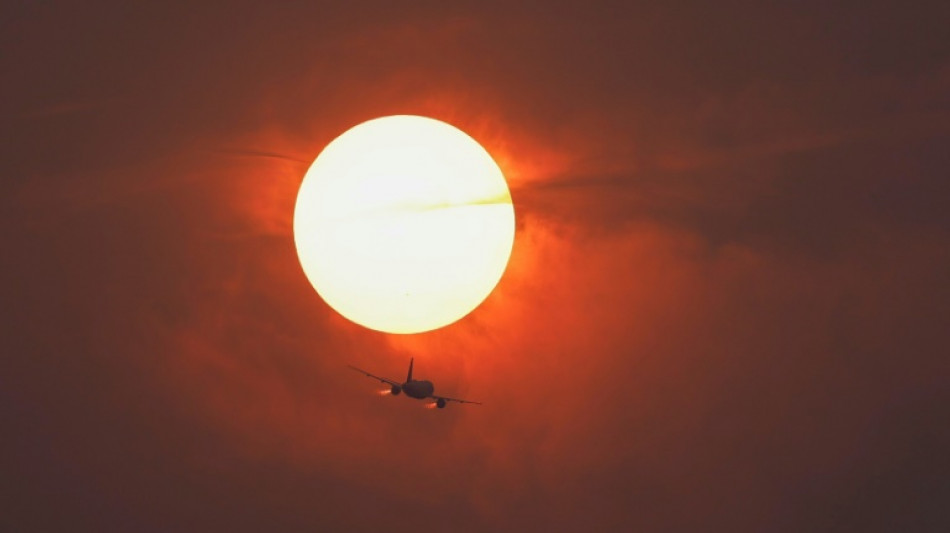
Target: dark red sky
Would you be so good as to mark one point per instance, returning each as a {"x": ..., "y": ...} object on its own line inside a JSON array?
[{"x": 727, "y": 307}]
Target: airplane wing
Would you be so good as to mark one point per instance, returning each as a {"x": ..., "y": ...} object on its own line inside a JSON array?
[
  {"x": 383, "y": 380},
  {"x": 454, "y": 400}
]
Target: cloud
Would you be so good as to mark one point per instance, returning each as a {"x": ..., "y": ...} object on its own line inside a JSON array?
[{"x": 724, "y": 308}]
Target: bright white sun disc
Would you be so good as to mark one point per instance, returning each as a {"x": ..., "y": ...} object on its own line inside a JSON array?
[{"x": 404, "y": 224}]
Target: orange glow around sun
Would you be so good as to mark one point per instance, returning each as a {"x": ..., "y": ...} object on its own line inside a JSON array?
[{"x": 404, "y": 224}]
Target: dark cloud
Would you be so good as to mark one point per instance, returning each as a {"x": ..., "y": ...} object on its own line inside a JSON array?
[{"x": 725, "y": 308}]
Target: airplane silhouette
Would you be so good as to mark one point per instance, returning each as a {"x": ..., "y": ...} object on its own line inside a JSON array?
[{"x": 414, "y": 388}]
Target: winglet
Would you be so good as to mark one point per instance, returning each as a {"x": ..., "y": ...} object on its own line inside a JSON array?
[{"x": 409, "y": 378}]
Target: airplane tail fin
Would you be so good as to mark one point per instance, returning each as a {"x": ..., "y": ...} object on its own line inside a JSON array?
[{"x": 409, "y": 378}]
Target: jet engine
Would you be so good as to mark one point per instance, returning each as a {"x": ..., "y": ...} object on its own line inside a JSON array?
[
  {"x": 395, "y": 390},
  {"x": 440, "y": 403}
]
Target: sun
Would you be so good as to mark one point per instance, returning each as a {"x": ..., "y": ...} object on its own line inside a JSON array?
[{"x": 404, "y": 224}]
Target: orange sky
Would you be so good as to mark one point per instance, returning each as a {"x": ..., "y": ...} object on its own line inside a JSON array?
[{"x": 726, "y": 306}]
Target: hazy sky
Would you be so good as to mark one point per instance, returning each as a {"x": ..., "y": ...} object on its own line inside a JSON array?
[{"x": 727, "y": 307}]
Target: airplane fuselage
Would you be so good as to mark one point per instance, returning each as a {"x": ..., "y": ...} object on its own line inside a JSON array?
[{"x": 418, "y": 389}]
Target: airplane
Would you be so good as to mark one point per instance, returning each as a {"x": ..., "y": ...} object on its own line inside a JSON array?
[{"x": 414, "y": 388}]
